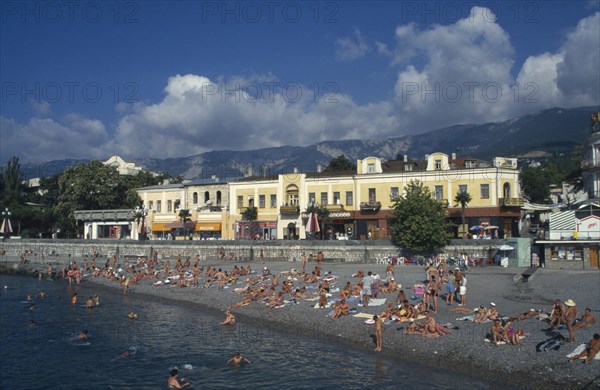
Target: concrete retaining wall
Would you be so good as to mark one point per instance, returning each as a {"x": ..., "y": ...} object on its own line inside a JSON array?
[{"x": 63, "y": 251}]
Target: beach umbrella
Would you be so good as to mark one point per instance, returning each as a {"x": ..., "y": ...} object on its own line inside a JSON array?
[
  {"x": 476, "y": 227},
  {"x": 312, "y": 225},
  {"x": 6, "y": 226},
  {"x": 504, "y": 248}
]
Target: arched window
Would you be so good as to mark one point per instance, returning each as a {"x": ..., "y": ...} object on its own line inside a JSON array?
[
  {"x": 291, "y": 195},
  {"x": 195, "y": 198},
  {"x": 219, "y": 197},
  {"x": 506, "y": 190},
  {"x": 206, "y": 196}
]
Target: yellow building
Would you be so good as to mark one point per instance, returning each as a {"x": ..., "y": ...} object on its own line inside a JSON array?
[
  {"x": 359, "y": 202},
  {"x": 206, "y": 202}
]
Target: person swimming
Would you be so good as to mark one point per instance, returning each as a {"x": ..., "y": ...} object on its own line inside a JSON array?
[
  {"x": 174, "y": 383},
  {"x": 238, "y": 358}
]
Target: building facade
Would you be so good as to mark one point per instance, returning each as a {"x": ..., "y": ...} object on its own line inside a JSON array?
[
  {"x": 360, "y": 201},
  {"x": 206, "y": 203},
  {"x": 590, "y": 163}
]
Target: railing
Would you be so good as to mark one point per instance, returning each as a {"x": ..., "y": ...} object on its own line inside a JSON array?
[
  {"x": 286, "y": 209},
  {"x": 512, "y": 202},
  {"x": 371, "y": 205},
  {"x": 444, "y": 202},
  {"x": 590, "y": 164},
  {"x": 335, "y": 207}
]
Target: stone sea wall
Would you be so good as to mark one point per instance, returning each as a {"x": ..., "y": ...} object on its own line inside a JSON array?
[{"x": 376, "y": 251}]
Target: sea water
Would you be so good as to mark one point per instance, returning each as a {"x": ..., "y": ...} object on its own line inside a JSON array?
[{"x": 138, "y": 354}]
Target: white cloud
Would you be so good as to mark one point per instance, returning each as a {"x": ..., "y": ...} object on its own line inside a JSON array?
[
  {"x": 43, "y": 139},
  {"x": 198, "y": 115},
  {"x": 351, "y": 48},
  {"x": 569, "y": 77},
  {"x": 448, "y": 74},
  {"x": 465, "y": 73}
]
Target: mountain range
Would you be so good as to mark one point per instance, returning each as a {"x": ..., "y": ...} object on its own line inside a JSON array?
[{"x": 536, "y": 135}]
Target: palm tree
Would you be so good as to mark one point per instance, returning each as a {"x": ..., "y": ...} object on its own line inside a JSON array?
[
  {"x": 462, "y": 198},
  {"x": 251, "y": 215},
  {"x": 184, "y": 216}
]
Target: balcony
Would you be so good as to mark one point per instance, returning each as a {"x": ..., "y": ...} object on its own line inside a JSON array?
[
  {"x": 287, "y": 209},
  {"x": 335, "y": 207},
  {"x": 512, "y": 202},
  {"x": 372, "y": 205},
  {"x": 590, "y": 164}
]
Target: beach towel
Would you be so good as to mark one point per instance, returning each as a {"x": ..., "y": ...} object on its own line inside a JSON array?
[
  {"x": 363, "y": 315},
  {"x": 376, "y": 301},
  {"x": 580, "y": 348},
  {"x": 466, "y": 318}
]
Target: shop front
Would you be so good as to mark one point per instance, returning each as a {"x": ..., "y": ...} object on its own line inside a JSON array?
[
  {"x": 256, "y": 230},
  {"x": 208, "y": 230}
]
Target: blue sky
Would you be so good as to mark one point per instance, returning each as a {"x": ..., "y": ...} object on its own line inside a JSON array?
[{"x": 169, "y": 79}]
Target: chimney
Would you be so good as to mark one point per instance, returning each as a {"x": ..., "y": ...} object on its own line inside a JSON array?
[
  {"x": 405, "y": 158},
  {"x": 295, "y": 169},
  {"x": 453, "y": 156},
  {"x": 319, "y": 170},
  {"x": 249, "y": 171}
]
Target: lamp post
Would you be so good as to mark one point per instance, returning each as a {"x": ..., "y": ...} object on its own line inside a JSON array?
[
  {"x": 6, "y": 228},
  {"x": 141, "y": 213}
]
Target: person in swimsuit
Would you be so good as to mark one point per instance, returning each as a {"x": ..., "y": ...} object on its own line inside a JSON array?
[
  {"x": 174, "y": 383},
  {"x": 238, "y": 359}
]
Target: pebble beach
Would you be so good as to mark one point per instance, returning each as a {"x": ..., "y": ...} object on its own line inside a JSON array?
[{"x": 464, "y": 350}]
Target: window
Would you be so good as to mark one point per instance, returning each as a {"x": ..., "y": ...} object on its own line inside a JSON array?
[
  {"x": 240, "y": 201},
  {"x": 206, "y": 196},
  {"x": 408, "y": 167},
  {"x": 349, "y": 200},
  {"x": 195, "y": 198},
  {"x": 177, "y": 204},
  {"x": 394, "y": 192},
  {"x": 169, "y": 206},
  {"x": 158, "y": 206},
  {"x": 506, "y": 190},
  {"x": 273, "y": 201},
  {"x": 261, "y": 201},
  {"x": 324, "y": 199},
  {"x": 371, "y": 168},
  {"x": 372, "y": 195},
  {"x": 150, "y": 205},
  {"x": 219, "y": 198},
  {"x": 438, "y": 192},
  {"x": 291, "y": 195},
  {"x": 312, "y": 197},
  {"x": 336, "y": 198},
  {"x": 470, "y": 164},
  {"x": 251, "y": 201},
  {"x": 438, "y": 165},
  {"x": 462, "y": 188},
  {"x": 485, "y": 191}
]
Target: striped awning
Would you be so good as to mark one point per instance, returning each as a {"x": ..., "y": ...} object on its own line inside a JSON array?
[
  {"x": 564, "y": 220},
  {"x": 208, "y": 227}
]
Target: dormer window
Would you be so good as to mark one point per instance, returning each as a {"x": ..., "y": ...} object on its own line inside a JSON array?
[
  {"x": 438, "y": 165},
  {"x": 371, "y": 168}
]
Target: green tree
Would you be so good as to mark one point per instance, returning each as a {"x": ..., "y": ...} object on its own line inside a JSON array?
[
  {"x": 535, "y": 185},
  {"x": 89, "y": 186},
  {"x": 340, "y": 163},
  {"x": 250, "y": 214},
  {"x": 462, "y": 199},
  {"x": 419, "y": 222},
  {"x": 11, "y": 183}
]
